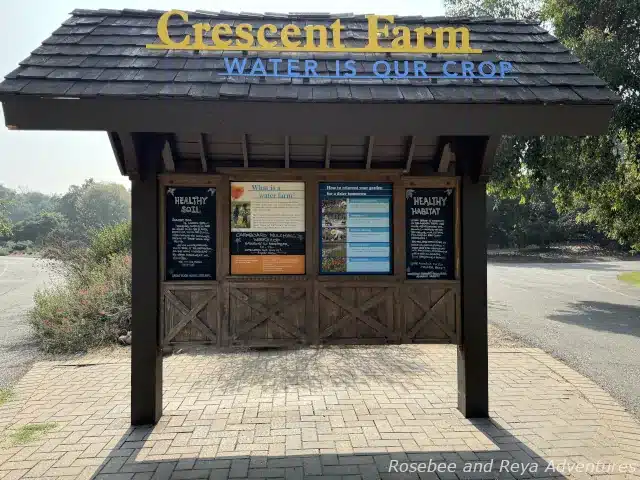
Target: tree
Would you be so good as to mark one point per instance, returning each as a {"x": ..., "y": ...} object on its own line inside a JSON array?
[
  {"x": 94, "y": 205},
  {"x": 103, "y": 205},
  {"x": 519, "y": 9},
  {"x": 5, "y": 223},
  {"x": 37, "y": 228},
  {"x": 595, "y": 178},
  {"x": 23, "y": 204}
]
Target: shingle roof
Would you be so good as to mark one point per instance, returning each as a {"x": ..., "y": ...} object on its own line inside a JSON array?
[{"x": 102, "y": 53}]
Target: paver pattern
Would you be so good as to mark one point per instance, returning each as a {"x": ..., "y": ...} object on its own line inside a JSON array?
[{"x": 315, "y": 413}]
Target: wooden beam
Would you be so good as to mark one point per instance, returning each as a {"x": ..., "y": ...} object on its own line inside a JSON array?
[
  {"x": 370, "y": 151},
  {"x": 411, "y": 147},
  {"x": 245, "y": 150},
  {"x": 493, "y": 142},
  {"x": 167, "y": 157},
  {"x": 26, "y": 112},
  {"x": 129, "y": 153},
  {"x": 203, "y": 151},
  {"x": 287, "y": 153},
  {"x": 445, "y": 159},
  {"x": 114, "y": 140},
  {"x": 327, "y": 152},
  {"x": 469, "y": 153}
]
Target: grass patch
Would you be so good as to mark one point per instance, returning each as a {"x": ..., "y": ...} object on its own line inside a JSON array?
[
  {"x": 6, "y": 394},
  {"x": 632, "y": 278},
  {"x": 30, "y": 433}
]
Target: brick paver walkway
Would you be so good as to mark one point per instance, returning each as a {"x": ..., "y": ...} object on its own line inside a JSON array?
[{"x": 345, "y": 413}]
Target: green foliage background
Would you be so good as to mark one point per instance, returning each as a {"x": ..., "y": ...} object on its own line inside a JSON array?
[
  {"x": 32, "y": 219},
  {"x": 596, "y": 180}
]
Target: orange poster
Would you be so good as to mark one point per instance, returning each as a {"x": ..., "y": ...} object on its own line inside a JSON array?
[{"x": 267, "y": 228}]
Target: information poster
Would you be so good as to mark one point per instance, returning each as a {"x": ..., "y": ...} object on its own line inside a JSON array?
[
  {"x": 190, "y": 226},
  {"x": 267, "y": 228},
  {"x": 430, "y": 236},
  {"x": 356, "y": 228}
]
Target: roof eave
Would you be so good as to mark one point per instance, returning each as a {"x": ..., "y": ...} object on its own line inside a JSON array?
[{"x": 303, "y": 118}]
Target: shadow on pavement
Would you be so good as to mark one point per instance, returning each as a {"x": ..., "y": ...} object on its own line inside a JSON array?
[
  {"x": 304, "y": 367},
  {"x": 604, "y": 316},
  {"x": 508, "y": 453}
]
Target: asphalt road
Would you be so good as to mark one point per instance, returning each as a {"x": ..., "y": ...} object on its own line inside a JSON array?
[
  {"x": 578, "y": 312},
  {"x": 20, "y": 277}
]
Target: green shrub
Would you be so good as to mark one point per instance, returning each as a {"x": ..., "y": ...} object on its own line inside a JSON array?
[
  {"x": 86, "y": 310},
  {"x": 22, "y": 246},
  {"x": 4, "y": 252},
  {"x": 110, "y": 241}
]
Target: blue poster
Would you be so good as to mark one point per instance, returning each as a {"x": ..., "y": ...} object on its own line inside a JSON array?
[{"x": 355, "y": 224}]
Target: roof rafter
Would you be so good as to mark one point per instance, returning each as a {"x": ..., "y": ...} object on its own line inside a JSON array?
[
  {"x": 203, "y": 152},
  {"x": 168, "y": 157},
  {"x": 411, "y": 147},
  {"x": 370, "y": 151},
  {"x": 245, "y": 151},
  {"x": 327, "y": 152}
]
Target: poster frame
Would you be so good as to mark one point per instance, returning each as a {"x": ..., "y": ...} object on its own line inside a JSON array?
[
  {"x": 230, "y": 181},
  {"x": 164, "y": 233},
  {"x": 391, "y": 271},
  {"x": 454, "y": 232}
]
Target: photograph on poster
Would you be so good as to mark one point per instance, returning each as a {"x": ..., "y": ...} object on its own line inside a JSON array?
[
  {"x": 355, "y": 225},
  {"x": 240, "y": 214},
  {"x": 267, "y": 228}
]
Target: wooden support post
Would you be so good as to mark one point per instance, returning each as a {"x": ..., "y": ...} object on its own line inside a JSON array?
[
  {"x": 473, "y": 361},
  {"x": 146, "y": 354}
]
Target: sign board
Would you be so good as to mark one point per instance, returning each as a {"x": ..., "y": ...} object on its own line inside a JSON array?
[
  {"x": 267, "y": 228},
  {"x": 312, "y": 38},
  {"x": 383, "y": 35},
  {"x": 355, "y": 226},
  {"x": 430, "y": 226},
  {"x": 190, "y": 231}
]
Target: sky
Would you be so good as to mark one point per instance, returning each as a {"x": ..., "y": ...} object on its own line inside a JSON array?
[{"x": 52, "y": 161}]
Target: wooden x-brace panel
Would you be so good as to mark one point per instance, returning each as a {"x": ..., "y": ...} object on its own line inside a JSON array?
[
  {"x": 357, "y": 312},
  {"x": 429, "y": 316},
  {"x": 189, "y": 315},
  {"x": 271, "y": 312}
]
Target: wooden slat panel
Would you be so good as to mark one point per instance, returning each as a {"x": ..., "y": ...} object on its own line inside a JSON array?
[
  {"x": 348, "y": 313},
  {"x": 307, "y": 139},
  {"x": 430, "y": 313},
  {"x": 348, "y": 151},
  {"x": 190, "y": 313},
  {"x": 307, "y": 151},
  {"x": 263, "y": 314}
]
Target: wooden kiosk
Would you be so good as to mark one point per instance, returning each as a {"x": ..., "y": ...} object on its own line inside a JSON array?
[{"x": 305, "y": 179}]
